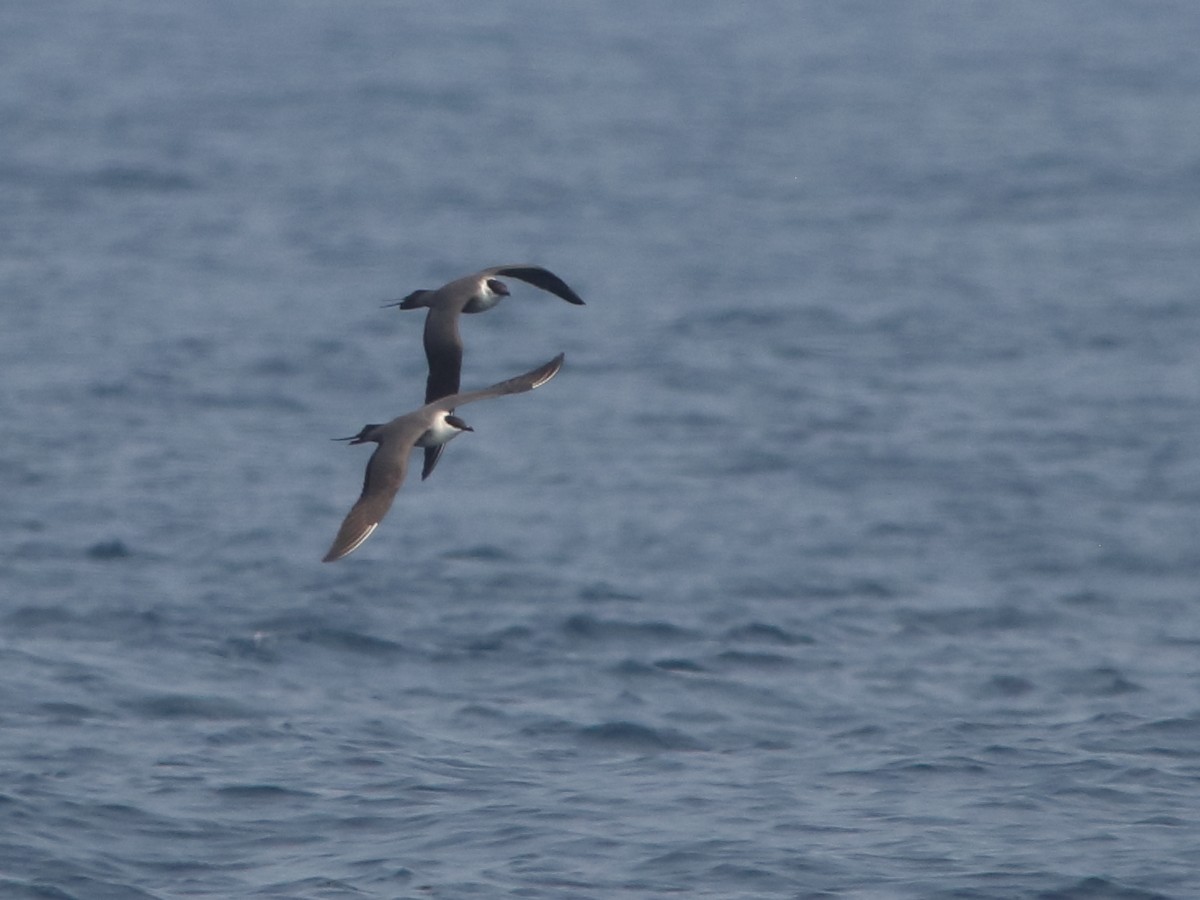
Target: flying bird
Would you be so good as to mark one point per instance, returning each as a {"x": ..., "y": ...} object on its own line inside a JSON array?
[
  {"x": 470, "y": 294},
  {"x": 430, "y": 426}
]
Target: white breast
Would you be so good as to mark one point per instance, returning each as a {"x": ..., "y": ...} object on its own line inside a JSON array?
[
  {"x": 438, "y": 433},
  {"x": 485, "y": 298}
]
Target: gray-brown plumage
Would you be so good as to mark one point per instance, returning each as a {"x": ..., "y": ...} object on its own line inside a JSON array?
[
  {"x": 430, "y": 426},
  {"x": 470, "y": 294}
]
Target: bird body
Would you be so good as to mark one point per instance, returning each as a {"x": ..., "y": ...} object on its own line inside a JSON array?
[{"x": 430, "y": 426}]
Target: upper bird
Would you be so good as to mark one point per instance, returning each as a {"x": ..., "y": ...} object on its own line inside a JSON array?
[
  {"x": 470, "y": 294},
  {"x": 430, "y": 426}
]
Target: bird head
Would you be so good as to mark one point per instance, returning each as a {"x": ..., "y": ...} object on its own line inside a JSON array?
[{"x": 497, "y": 287}]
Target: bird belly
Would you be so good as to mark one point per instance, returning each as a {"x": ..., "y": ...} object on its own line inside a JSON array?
[{"x": 479, "y": 303}]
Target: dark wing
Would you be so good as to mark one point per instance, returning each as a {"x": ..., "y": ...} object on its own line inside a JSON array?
[
  {"x": 541, "y": 278},
  {"x": 520, "y": 384},
  {"x": 432, "y": 455},
  {"x": 380, "y": 484},
  {"x": 443, "y": 352}
]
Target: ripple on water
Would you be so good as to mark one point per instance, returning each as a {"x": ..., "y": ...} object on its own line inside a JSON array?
[{"x": 634, "y": 737}]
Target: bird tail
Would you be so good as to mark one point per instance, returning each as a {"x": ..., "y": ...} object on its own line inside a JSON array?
[{"x": 415, "y": 300}]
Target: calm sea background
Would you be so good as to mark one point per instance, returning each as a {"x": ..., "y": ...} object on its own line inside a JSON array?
[{"x": 855, "y": 552}]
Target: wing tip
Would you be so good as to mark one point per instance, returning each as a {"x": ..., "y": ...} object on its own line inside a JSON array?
[
  {"x": 341, "y": 547},
  {"x": 549, "y": 370},
  {"x": 432, "y": 455},
  {"x": 541, "y": 277}
]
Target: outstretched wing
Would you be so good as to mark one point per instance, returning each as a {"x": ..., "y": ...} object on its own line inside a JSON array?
[
  {"x": 541, "y": 278},
  {"x": 520, "y": 384},
  {"x": 384, "y": 476},
  {"x": 432, "y": 455},
  {"x": 443, "y": 352}
]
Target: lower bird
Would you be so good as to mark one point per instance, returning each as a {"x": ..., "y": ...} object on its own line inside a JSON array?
[{"x": 430, "y": 426}]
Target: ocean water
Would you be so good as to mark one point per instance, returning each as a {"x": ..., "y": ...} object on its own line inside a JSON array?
[{"x": 854, "y": 553}]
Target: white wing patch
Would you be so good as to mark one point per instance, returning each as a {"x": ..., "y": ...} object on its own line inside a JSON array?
[{"x": 366, "y": 534}]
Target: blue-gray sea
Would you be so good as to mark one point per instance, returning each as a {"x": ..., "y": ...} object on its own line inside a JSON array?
[{"x": 855, "y": 552}]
